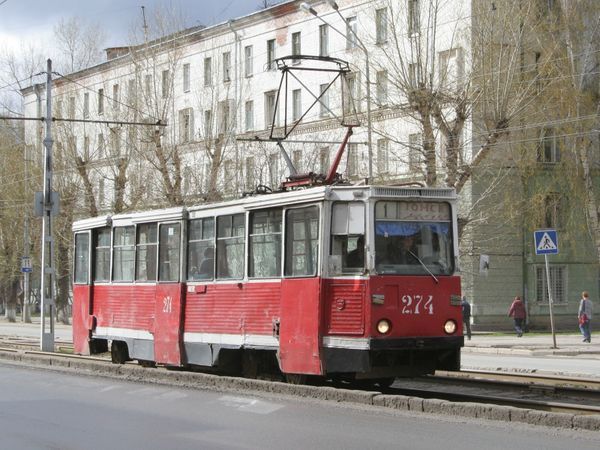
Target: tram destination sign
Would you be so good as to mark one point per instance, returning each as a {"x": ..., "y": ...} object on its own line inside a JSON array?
[{"x": 546, "y": 242}]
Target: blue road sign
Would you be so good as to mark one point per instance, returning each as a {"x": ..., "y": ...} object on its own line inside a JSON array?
[{"x": 546, "y": 242}]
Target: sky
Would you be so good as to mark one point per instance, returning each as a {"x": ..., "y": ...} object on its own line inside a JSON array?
[{"x": 34, "y": 20}]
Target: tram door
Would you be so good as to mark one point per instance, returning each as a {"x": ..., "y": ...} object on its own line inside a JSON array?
[
  {"x": 168, "y": 325},
  {"x": 82, "y": 293},
  {"x": 299, "y": 336}
]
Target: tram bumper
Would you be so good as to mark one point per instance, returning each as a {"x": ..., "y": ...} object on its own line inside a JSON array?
[{"x": 373, "y": 358}]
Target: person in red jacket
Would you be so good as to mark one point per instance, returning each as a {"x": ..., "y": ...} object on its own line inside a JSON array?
[{"x": 518, "y": 313}]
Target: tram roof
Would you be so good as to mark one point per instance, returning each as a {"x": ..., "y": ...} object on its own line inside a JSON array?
[{"x": 297, "y": 197}]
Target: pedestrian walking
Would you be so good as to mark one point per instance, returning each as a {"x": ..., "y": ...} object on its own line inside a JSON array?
[
  {"x": 518, "y": 313},
  {"x": 466, "y": 316},
  {"x": 585, "y": 316}
]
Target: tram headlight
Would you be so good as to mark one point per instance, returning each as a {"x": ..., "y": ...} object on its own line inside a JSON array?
[
  {"x": 384, "y": 326},
  {"x": 450, "y": 326}
]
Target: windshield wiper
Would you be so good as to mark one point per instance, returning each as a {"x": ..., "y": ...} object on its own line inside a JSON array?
[{"x": 424, "y": 266}]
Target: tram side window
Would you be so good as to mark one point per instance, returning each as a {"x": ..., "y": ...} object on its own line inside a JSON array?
[
  {"x": 347, "y": 237},
  {"x": 102, "y": 254},
  {"x": 147, "y": 242},
  {"x": 230, "y": 246},
  {"x": 201, "y": 249},
  {"x": 123, "y": 253},
  {"x": 301, "y": 241},
  {"x": 169, "y": 252},
  {"x": 265, "y": 244},
  {"x": 82, "y": 257}
]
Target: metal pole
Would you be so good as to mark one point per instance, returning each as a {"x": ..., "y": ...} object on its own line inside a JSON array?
[
  {"x": 47, "y": 269},
  {"x": 550, "y": 300}
]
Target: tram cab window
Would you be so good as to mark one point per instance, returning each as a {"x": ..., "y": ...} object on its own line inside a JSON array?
[
  {"x": 82, "y": 258},
  {"x": 201, "y": 249},
  {"x": 347, "y": 237},
  {"x": 102, "y": 254},
  {"x": 231, "y": 232},
  {"x": 413, "y": 238},
  {"x": 301, "y": 241},
  {"x": 123, "y": 253},
  {"x": 265, "y": 244},
  {"x": 169, "y": 252},
  {"x": 147, "y": 243}
]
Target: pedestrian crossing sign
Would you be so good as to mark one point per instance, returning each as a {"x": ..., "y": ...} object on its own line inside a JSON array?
[{"x": 546, "y": 242}]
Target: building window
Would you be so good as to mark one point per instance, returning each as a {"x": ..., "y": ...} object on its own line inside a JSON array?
[
  {"x": 115, "y": 97},
  {"x": 351, "y": 29},
  {"x": 265, "y": 244},
  {"x": 250, "y": 172},
  {"x": 186, "y": 78},
  {"x": 207, "y": 124},
  {"x": 296, "y": 104},
  {"x": 249, "y": 115},
  {"x": 274, "y": 169},
  {"x": 115, "y": 141},
  {"x": 132, "y": 92},
  {"x": 186, "y": 125},
  {"x": 86, "y": 147},
  {"x": 100, "y": 101},
  {"x": 207, "y": 71},
  {"x": 351, "y": 100},
  {"x": 248, "y": 61},
  {"x": 450, "y": 68},
  {"x": 271, "y": 54},
  {"x": 324, "y": 100},
  {"x": 324, "y": 40},
  {"x": 549, "y": 147},
  {"x": 383, "y": 156},
  {"x": 224, "y": 117},
  {"x": 382, "y": 87},
  {"x": 413, "y": 17},
  {"x": 270, "y": 111},
  {"x": 101, "y": 146},
  {"x": 148, "y": 88},
  {"x": 415, "y": 151},
  {"x": 165, "y": 84},
  {"x": 296, "y": 46},
  {"x": 230, "y": 246},
  {"x": 86, "y": 105},
  {"x": 558, "y": 284},
  {"x": 297, "y": 160},
  {"x": 352, "y": 165},
  {"x": 413, "y": 75},
  {"x": 553, "y": 211},
  {"x": 146, "y": 254},
  {"x": 226, "y": 67},
  {"x": 324, "y": 159},
  {"x": 71, "y": 107},
  {"x": 381, "y": 23}
]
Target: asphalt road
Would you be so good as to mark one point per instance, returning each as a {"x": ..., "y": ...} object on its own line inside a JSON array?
[{"x": 48, "y": 410}]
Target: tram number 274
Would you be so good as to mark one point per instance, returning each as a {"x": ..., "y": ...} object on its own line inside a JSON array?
[{"x": 417, "y": 304}]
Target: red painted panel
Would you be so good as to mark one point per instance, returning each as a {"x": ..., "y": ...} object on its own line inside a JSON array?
[
  {"x": 345, "y": 306},
  {"x": 299, "y": 337},
  {"x": 235, "y": 308},
  {"x": 168, "y": 330},
  {"x": 81, "y": 315},
  {"x": 125, "y": 306},
  {"x": 416, "y": 306}
]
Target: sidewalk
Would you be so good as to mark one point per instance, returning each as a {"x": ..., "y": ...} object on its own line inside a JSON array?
[{"x": 533, "y": 345}]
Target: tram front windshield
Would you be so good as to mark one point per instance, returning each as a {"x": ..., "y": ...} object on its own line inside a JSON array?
[{"x": 413, "y": 238}]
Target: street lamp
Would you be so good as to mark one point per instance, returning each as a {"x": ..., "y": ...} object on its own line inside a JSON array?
[{"x": 306, "y": 7}]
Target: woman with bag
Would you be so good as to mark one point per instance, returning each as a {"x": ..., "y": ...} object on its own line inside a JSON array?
[
  {"x": 518, "y": 313},
  {"x": 585, "y": 316}
]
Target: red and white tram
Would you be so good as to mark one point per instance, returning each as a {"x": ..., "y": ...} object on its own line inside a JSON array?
[{"x": 354, "y": 282}]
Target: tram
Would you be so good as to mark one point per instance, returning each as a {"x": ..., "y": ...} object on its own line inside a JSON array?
[{"x": 336, "y": 281}]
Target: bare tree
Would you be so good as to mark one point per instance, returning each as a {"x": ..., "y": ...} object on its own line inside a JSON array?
[{"x": 80, "y": 43}]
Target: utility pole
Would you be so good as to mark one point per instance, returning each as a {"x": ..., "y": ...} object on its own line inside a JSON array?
[{"x": 48, "y": 209}]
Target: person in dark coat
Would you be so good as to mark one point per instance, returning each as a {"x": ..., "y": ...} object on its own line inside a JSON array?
[
  {"x": 518, "y": 313},
  {"x": 466, "y": 316},
  {"x": 585, "y": 316}
]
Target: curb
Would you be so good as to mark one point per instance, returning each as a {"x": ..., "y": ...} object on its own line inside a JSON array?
[{"x": 197, "y": 380}]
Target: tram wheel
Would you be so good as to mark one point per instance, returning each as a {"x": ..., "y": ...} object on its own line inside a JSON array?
[
  {"x": 295, "y": 378},
  {"x": 146, "y": 363},
  {"x": 119, "y": 352},
  {"x": 384, "y": 383}
]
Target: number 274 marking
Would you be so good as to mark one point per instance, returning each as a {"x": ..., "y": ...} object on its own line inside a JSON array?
[{"x": 417, "y": 304}]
